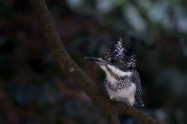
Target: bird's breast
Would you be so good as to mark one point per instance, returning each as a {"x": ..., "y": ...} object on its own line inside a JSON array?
[{"x": 126, "y": 95}]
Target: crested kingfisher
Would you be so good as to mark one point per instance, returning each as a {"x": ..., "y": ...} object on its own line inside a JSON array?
[{"x": 122, "y": 80}]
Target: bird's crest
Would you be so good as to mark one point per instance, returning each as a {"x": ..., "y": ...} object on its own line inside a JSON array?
[{"x": 125, "y": 56}]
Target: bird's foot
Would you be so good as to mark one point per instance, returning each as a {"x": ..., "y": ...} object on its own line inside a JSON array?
[{"x": 115, "y": 101}]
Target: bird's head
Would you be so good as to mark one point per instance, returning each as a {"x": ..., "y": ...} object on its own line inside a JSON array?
[{"x": 117, "y": 61}]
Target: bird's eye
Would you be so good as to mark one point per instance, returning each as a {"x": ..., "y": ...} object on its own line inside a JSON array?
[
  {"x": 105, "y": 58},
  {"x": 112, "y": 60}
]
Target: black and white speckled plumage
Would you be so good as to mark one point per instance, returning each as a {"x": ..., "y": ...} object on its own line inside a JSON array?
[
  {"x": 124, "y": 59},
  {"x": 136, "y": 80},
  {"x": 121, "y": 84}
]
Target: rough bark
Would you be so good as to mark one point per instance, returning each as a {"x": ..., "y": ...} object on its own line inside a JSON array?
[{"x": 67, "y": 65}]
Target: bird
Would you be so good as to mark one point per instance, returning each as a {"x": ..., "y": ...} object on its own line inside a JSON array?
[{"x": 122, "y": 80}]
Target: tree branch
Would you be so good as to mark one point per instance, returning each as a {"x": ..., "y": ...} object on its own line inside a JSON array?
[
  {"x": 66, "y": 64},
  {"x": 113, "y": 118}
]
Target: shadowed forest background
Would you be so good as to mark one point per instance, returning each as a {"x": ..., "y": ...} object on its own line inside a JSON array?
[{"x": 33, "y": 91}]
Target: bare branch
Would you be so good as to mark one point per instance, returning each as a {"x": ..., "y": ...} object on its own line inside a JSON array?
[
  {"x": 69, "y": 66},
  {"x": 113, "y": 118}
]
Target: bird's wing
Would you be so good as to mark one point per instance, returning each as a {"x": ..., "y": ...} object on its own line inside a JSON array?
[{"x": 137, "y": 82}]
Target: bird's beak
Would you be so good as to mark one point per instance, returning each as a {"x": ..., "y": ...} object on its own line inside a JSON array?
[{"x": 99, "y": 61}]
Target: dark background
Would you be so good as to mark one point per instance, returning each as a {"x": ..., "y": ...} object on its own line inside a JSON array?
[{"x": 33, "y": 91}]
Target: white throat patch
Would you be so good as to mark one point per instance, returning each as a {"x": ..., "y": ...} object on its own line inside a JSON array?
[
  {"x": 109, "y": 77},
  {"x": 119, "y": 72},
  {"x": 115, "y": 71}
]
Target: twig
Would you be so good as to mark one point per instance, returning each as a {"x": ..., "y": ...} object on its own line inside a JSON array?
[{"x": 69, "y": 66}]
